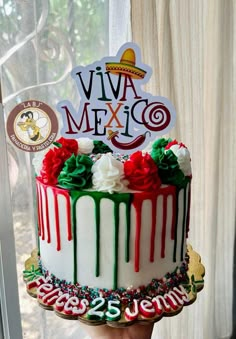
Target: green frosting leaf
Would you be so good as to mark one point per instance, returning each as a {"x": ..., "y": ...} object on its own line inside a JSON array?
[
  {"x": 101, "y": 147},
  {"x": 167, "y": 163},
  {"x": 76, "y": 173}
]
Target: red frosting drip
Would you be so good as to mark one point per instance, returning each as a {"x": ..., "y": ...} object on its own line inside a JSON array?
[
  {"x": 68, "y": 208},
  {"x": 137, "y": 202},
  {"x": 163, "y": 232},
  {"x": 65, "y": 193},
  {"x": 47, "y": 215},
  {"x": 58, "y": 235},
  {"x": 39, "y": 208},
  {"x": 56, "y": 192},
  {"x": 174, "y": 215},
  {"x": 40, "y": 214},
  {"x": 153, "y": 231}
]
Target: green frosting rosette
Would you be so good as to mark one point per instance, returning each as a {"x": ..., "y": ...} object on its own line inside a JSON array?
[
  {"x": 167, "y": 163},
  {"x": 101, "y": 147},
  {"x": 76, "y": 173}
]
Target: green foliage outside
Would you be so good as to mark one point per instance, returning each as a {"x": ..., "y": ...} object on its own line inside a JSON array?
[
  {"x": 86, "y": 24},
  {"x": 74, "y": 32}
]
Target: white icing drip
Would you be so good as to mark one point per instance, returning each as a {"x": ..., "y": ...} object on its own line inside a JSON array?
[{"x": 108, "y": 174}]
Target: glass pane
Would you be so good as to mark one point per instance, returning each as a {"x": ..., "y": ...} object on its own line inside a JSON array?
[
  {"x": 1, "y": 328},
  {"x": 41, "y": 41}
]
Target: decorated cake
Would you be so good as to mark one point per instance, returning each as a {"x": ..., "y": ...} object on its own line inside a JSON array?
[
  {"x": 113, "y": 226},
  {"x": 113, "y": 218}
]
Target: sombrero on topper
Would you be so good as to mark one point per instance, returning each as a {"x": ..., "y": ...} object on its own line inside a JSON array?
[{"x": 126, "y": 65}]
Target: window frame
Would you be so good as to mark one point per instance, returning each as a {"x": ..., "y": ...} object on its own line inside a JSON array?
[{"x": 9, "y": 299}]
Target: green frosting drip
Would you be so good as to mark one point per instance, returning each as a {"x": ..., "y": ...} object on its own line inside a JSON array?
[
  {"x": 176, "y": 224},
  {"x": 184, "y": 223},
  {"x": 97, "y": 230},
  {"x": 74, "y": 237},
  {"x": 116, "y": 243},
  {"x": 167, "y": 163},
  {"x": 127, "y": 235},
  {"x": 76, "y": 173},
  {"x": 97, "y": 197},
  {"x": 101, "y": 147}
]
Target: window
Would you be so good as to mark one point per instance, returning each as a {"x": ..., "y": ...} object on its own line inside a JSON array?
[{"x": 41, "y": 41}]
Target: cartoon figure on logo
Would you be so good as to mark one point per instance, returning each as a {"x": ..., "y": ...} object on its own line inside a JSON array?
[{"x": 31, "y": 123}]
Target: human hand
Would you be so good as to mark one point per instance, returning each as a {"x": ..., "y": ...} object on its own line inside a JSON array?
[{"x": 140, "y": 331}]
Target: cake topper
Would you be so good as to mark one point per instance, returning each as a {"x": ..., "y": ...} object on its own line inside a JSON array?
[{"x": 113, "y": 106}]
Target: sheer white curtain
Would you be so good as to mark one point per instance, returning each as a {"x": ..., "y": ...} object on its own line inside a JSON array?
[
  {"x": 191, "y": 46},
  {"x": 119, "y": 24}
]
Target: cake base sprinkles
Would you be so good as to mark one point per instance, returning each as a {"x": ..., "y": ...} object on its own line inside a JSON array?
[{"x": 117, "y": 308}]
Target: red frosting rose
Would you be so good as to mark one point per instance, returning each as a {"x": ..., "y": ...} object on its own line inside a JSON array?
[
  {"x": 141, "y": 172},
  {"x": 53, "y": 163},
  {"x": 70, "y": 144},
  {"x": 55, "y": 158}
]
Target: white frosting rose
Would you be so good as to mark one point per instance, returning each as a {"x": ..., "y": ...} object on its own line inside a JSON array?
[
  {"x": 108, "y": 174},
  {"x": 38, "y": 160},
  {"x": 85, "y": 145},
  {"x": 183, "y": 158}
]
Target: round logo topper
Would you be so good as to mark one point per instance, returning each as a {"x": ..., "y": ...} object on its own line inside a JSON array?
[
  {"x": 32, "y": 126},
  {"x": 113, "y": 107}
]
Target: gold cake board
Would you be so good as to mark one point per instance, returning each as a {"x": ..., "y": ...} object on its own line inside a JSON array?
[{"x": 196, "y": 272}]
